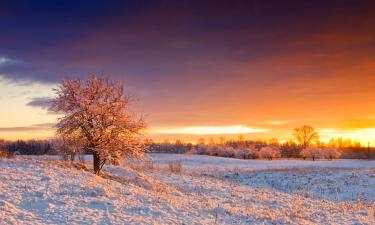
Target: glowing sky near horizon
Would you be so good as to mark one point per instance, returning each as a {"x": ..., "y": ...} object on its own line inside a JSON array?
[{"x": 198, "y": 68}]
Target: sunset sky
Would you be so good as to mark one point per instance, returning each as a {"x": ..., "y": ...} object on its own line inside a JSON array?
[{"x": 197, "y": 68}]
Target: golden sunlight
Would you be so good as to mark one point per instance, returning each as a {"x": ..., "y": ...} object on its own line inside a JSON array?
[
  {"x": 235, "y": 129},
  {"x": 365, "y": 135}
]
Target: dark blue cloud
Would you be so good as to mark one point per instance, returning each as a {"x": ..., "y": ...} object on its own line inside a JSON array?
[
  {"x": 170, "y": 41},
  {"x": 189, "y": 57},
  {"x": 43, "y": 103}
]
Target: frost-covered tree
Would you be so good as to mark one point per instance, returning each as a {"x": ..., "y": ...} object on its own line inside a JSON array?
[
  {"x": 331, "y": 153},
  {"x": 246, "y": 153},
  {"x": 97, "y": 110},
  {"x": 313, "y": 153},
  {"x": 305, "y": 135},
  {"x": 269, "y": 152}
]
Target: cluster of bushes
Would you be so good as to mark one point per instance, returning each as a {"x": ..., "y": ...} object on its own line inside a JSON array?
[
  {"x": 320, "y": 153},
  {"x": 249, "y": 149},
  {"x": 252, "y": 152},
  {"x": 265, "y": 152},
  {"x": 243, "y": 149}
]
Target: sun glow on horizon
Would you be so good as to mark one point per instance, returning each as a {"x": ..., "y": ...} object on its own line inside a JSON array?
[
  {"x": 204, "y": 130},
  {"x": 366, "y": 136}
]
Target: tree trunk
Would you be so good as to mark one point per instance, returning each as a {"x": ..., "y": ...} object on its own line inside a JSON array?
[
  {"x": 96, "y": 162},
  {"x": 72, "y": 157}
]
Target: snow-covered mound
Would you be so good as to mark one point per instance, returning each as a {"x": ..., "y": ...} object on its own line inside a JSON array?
[{"x": 42, "y": 191}]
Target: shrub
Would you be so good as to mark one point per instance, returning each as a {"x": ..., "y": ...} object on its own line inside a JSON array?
[
  {"x": 226, "y": 151},
  {"x": 212, "y": 150},
  {"x": 175, "y": 166},
  {"x": 192, "y": 151},
  {"x": 313, "y": 153},
  {"x": 331, "y": 153},
  {"x": 143, "y": 165},
  {"x": 202, "y": 150},
  {"x": 246, "y": 153},
  {"x": 5, "y": 154},
  {"x": 269, "y": 152}
]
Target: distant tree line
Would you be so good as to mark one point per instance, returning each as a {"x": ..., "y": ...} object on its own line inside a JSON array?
[
  {"x": 177, "y": 146},
  {"x": 30, "y": 147},
  {"x": 347, "y": 148},
  {"x": 306, "y": 138}
]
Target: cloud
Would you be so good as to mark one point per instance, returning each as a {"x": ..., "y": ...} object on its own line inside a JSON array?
[
  {"x": 233, "y": 63},
  {"x": 35, "y": 127},
  {"x": 3, "y": 60},
  {"x": 278, "y": 122},
  {"x": 235, "y": 129},
  {"x": 43, "y": 103}
]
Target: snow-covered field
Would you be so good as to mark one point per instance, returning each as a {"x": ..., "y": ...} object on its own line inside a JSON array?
[{"x": 209, "y": 190}]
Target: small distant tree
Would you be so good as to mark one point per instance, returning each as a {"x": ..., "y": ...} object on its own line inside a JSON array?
[
  {"x": 241, "y": 140},
  {"x": 246, "y": 153},
  {"x": 305, "y": 135},
  {"x": 222, "y": 140},
  {"x": 269, "y": 152},
  {"x": 201, "y": 141},
  {"x": 97, "y": 110},
  {"x": 192, "y": 151},
  {"x": 313, "y": 153},
  {"x": 3, "y": 153},
  {"x": 331, "y": 153},
  {"x": 211, "y": 141}
]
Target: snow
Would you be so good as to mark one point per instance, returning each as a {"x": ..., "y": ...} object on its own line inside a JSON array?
[
  {"x": 210, "y": 190},
  {"x": 205, "y": 162}
]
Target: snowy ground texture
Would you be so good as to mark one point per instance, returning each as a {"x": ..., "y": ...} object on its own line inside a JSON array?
[{"x": 208, "y": 190}]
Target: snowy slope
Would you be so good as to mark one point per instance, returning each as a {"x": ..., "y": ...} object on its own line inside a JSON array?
[{"x": 40, "y": 191}]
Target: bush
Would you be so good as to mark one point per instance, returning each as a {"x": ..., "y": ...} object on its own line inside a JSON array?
[
  {"x": 213, "y": 150},
  {"x": 175, "y": 166},
  {"x": 202, "y": 150},
  {"x": 269, "y": 152},
  {"x": 313, "y": 153},
  {"x": 192, "y": 151},
  {"x": 227, "y": 152},
  {"x": 222, "y": 151},
  {"x": 143, "y": 165},
  {"x": 246, "y": 153},
  {"x": 331, "y": 153},
  {"x": 5, "y": 154}
]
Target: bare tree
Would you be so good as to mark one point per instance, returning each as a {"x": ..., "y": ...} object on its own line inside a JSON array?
[
  {"x": 97, "y": 110},
  {"x": 68, "y": 146},
  {"x": 305, "y": 135}
]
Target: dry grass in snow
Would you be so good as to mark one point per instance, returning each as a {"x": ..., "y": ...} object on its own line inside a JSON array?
[{"x": 39, "y": 191}]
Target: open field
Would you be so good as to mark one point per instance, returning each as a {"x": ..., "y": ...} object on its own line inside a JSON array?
[{"x": 188, "y": 189}]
